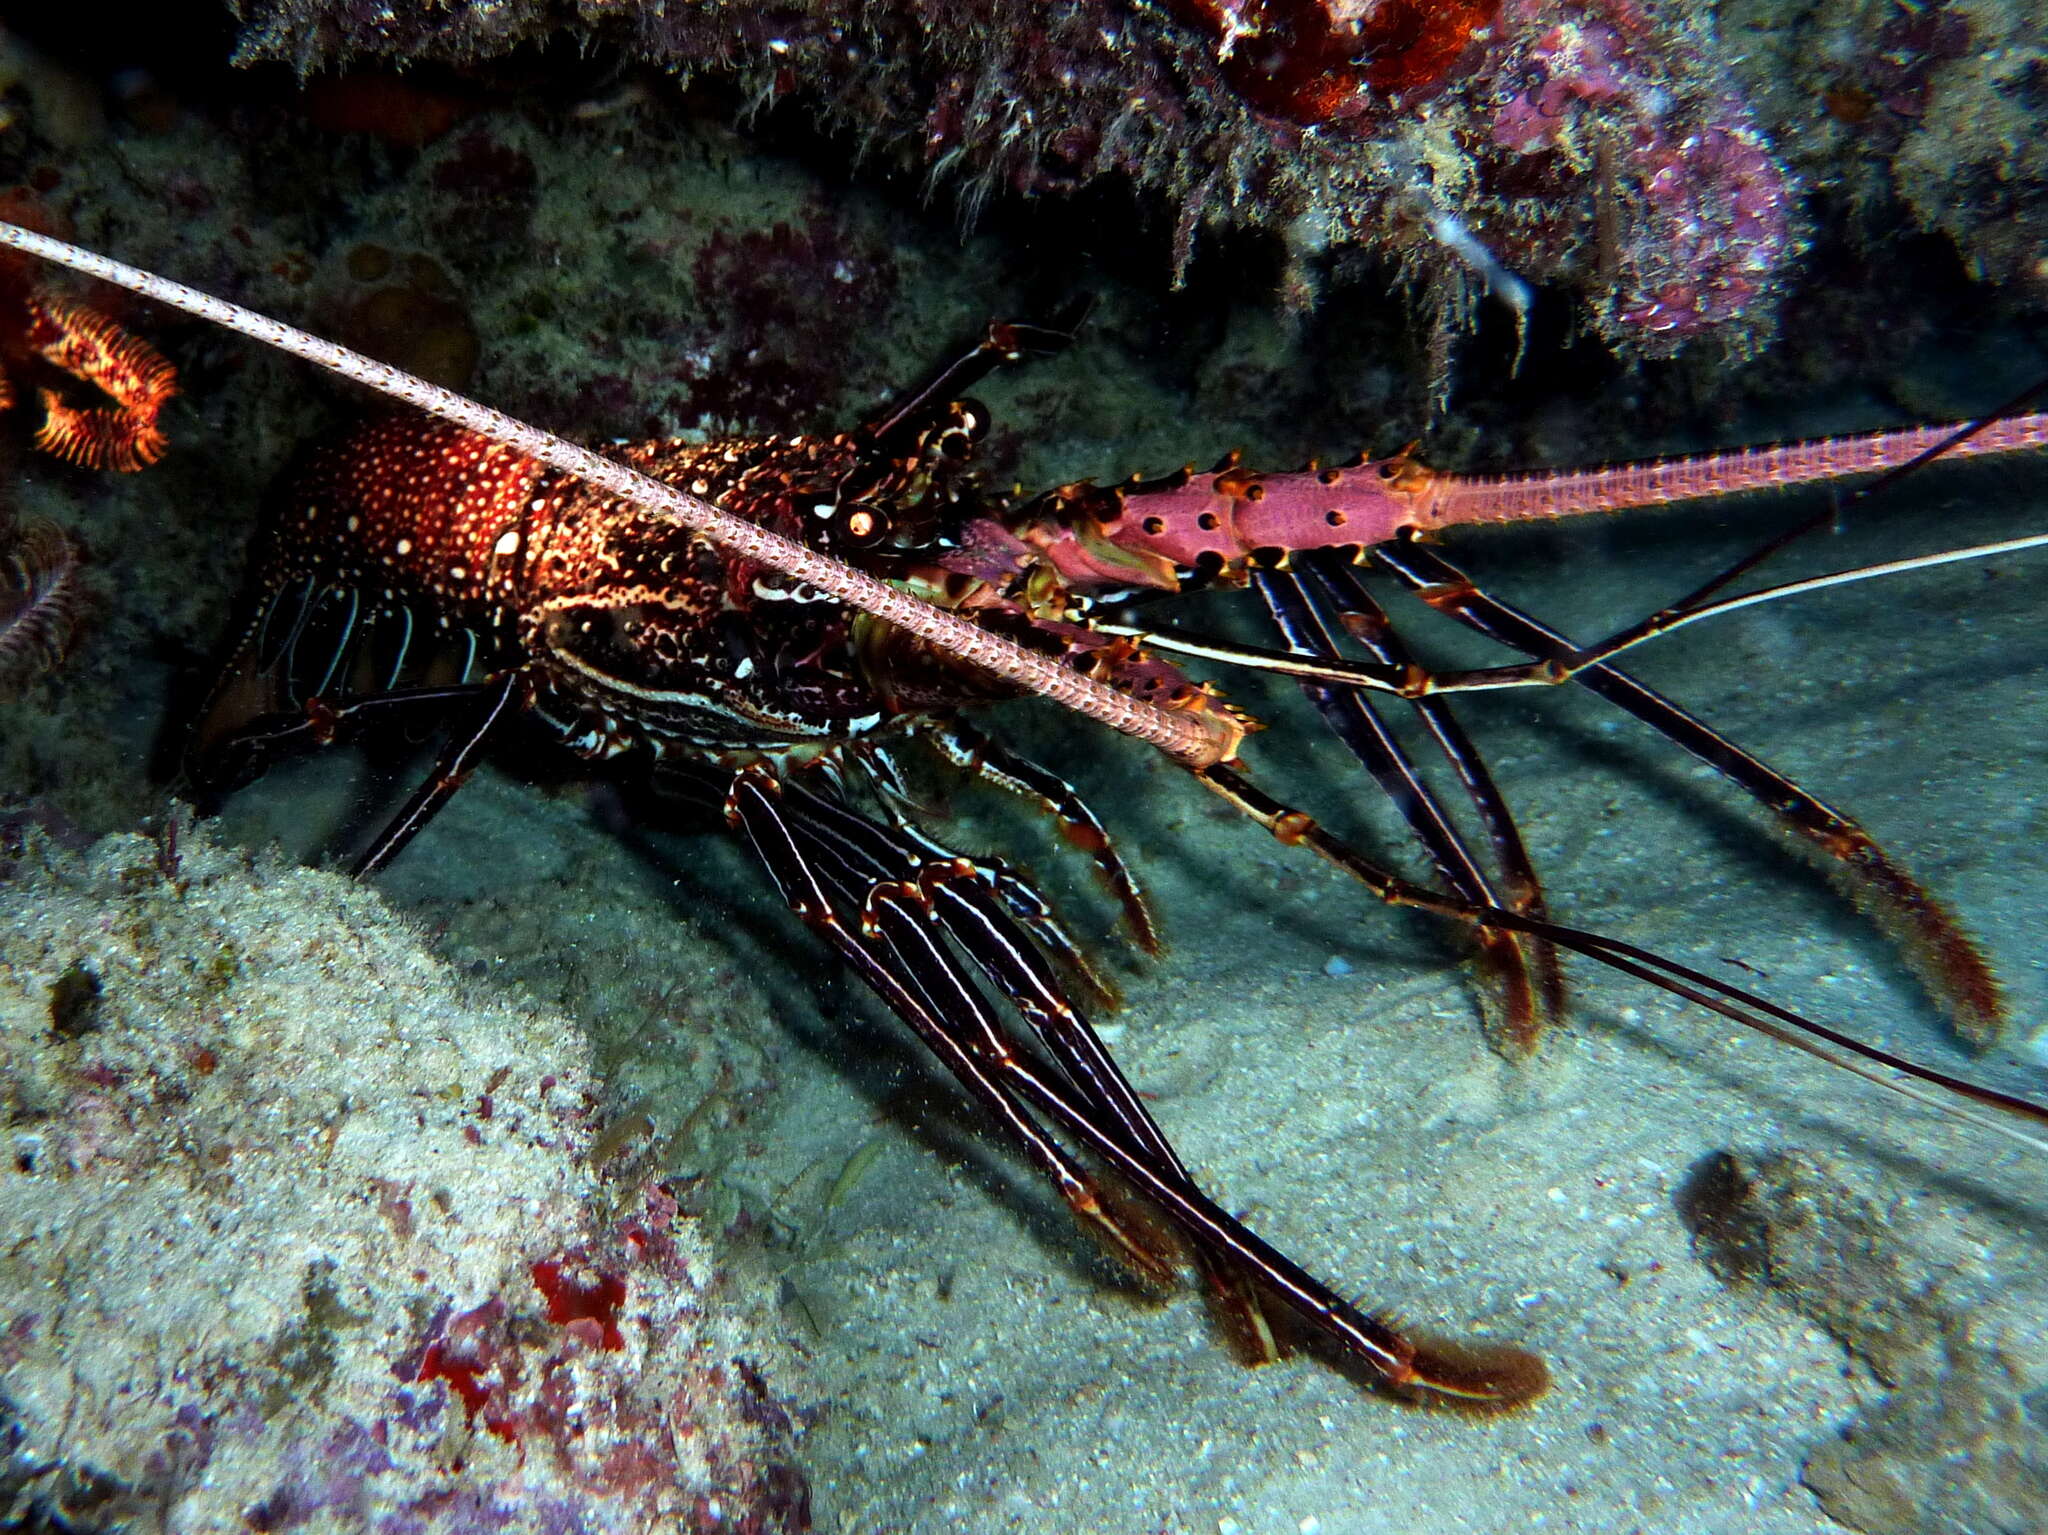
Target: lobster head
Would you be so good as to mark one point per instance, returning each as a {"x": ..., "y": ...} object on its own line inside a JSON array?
[{"x": 710, "y": 657}]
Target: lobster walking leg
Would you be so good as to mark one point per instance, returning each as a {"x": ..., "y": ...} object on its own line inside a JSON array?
[
  {"x": 1020, "y": 905},
  {"x": 944, "y": 1008},
  {"x": 248, "y": 753},
  {"x": 964, "y": 902},
  {"x": 860, "y": 862},
  {"x": 1296, "y": 828},
  {"x": 1948, "y": 960},
  {"x": 1524, "y": 890},
  {"x": 920, "y": 996},
  {"x": 458, "y": 759},
  {"x": 988, "y": 759},
  {"x": 1527, "y": 970}
]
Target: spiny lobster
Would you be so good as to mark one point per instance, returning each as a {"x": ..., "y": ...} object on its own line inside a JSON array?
[{"x": 427, "y": 569}]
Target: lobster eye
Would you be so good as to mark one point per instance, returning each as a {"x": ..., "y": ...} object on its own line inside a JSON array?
[{"x": 862, "y": 527}]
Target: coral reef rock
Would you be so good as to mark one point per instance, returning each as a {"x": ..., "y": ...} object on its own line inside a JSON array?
[
  {"x": 1928, "y": 109},
  {"x": 298, "y": 1236},
  {"x": 1601, "y": 145},
  {"x": 1939, "y": 1304}
]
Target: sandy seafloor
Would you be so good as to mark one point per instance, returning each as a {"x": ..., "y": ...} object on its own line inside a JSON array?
[{"x": 971, "y": 1365}]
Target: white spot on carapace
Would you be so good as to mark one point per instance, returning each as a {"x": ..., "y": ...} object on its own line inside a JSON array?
[
  {"x": 508, "y": 541},
  {"x": 403, "y": 546}
]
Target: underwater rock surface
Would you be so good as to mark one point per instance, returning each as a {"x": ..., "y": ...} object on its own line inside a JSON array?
[
  {"x": 1476, "y": 146},
  {"x": 298, "y": 1236},
  {"x": 1951, "y": 1323}
]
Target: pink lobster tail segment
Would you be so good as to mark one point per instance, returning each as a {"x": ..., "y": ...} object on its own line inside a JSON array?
[
  {"x": 1195, "y": 738},
  {"x": 1459, "y": 501}
]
